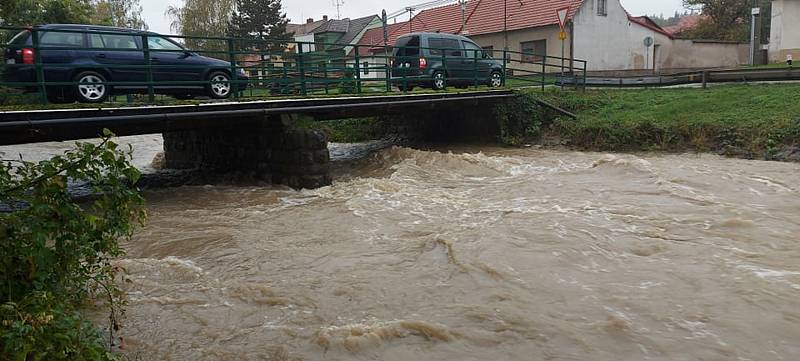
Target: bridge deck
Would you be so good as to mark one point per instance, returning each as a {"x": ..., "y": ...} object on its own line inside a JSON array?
[{"x": 19, "y": 127}]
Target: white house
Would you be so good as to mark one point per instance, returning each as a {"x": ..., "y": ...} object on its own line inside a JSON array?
[
  {"x": 611, "y": 39},
  {"x": 785, "y": 33}
]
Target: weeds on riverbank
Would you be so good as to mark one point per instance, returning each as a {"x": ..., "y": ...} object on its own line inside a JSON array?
[
  {"x": 350, "y": 130},
  {"x": 55, "y": 254},
  {"x": 753, "y": 121}
]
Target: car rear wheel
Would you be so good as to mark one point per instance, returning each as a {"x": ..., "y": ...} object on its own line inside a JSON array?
[
  {"x": 496, "y": 79},
  {"x": 220, "y": 85},
  {"x": 439, "y": 80},
  {"x": 91, "y": 87}
]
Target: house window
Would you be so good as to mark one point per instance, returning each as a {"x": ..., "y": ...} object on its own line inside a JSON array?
[
  {"x": 489, "y": 50},
  {"x": 366, "y": 68},
  {"x": 533, "y": 51},
  {"x": 602, "y": 7}
]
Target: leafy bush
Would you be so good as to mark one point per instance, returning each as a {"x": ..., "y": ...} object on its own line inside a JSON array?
[
  {"x": 350, "y": 130},
  {"x": 355, "y": 130},
  {"x": 44, "y": 328},
  {"x": 56, "y": 252},
  {"x": 11, "y": 97},
  {"x": 520, "y": 118}
]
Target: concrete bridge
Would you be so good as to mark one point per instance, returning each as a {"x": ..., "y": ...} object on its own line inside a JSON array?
[{"x": 254, "y": 137}]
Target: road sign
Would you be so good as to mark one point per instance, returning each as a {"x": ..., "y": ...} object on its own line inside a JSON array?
[
  {"x": 562, "y": 35},
  {"x": 562, "y": 17}
]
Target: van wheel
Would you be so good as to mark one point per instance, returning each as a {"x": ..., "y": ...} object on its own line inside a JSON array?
[
  {"x": 496, "y": 79},
  {"x": 90, "y": 87},
  {"x": 439, "y": 80},
  {"x": 220, "y": 85}
]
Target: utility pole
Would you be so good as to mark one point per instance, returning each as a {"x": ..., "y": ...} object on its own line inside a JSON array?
[
  {"x": 754, "y": 38},
  {"x": 410, "y": 17},
  {"x": 463, "y": 4},
  {"x": 505, "y": 25}
]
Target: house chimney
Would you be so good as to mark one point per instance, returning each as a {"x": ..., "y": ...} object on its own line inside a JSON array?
[
  {"x": 324, "y": 17},
  {"x": 309, "y": 20}
]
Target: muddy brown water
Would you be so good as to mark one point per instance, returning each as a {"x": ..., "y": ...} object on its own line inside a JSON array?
[{"x": 479, "y": 253}]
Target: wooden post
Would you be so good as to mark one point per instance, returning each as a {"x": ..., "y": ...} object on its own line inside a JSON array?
[{"x": 705, "y": 79}]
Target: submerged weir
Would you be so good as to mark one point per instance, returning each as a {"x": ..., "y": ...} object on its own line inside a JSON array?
[{"x": 472, "y": 253}]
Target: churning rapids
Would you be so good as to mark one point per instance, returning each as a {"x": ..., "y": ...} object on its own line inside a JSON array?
[{"x": 473, "y": 253}]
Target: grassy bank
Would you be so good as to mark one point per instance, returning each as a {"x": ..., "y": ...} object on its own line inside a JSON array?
[{"x": 757, "y": 121}]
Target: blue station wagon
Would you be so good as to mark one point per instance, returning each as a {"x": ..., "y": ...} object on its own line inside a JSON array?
[{"x": 88, "y": 63}]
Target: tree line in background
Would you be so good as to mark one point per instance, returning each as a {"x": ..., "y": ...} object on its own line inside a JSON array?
[
  {"x": 123, "y": 13},
  {"x": 257, "y": 20},
  {"x": 663, "y": 20},
  {"x": 728, "y": 19}
]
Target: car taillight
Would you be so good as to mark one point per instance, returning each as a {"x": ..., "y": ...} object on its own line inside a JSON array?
[
  {"x": 27, "y": 56},
  {"x": 423, "y": 63}
]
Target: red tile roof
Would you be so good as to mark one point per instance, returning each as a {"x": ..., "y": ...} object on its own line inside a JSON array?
[
  {"x": 483, "y": 17},
  {"x": 486, "y": 16},
  {"x": 373, "y": 38},
  {"x": 650, "y": 24},
  {"x": 686, "y": 23}
]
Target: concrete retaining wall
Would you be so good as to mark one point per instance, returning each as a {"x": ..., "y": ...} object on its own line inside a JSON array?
[{"x": 683, "y": 53}]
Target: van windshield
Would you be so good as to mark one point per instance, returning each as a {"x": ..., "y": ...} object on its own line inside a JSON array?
[{"x": 407, "y": 46}]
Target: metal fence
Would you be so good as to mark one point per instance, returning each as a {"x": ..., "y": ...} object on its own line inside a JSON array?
[
  {"x": 144, "y": 65},
  {"x": 702, "y": 77}
]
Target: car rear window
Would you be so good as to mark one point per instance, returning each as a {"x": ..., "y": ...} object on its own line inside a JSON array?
[
  {"x": 407, "y": 46},
  {"x": 61, "y": 39},
  {"x": 21, "y": 38}
]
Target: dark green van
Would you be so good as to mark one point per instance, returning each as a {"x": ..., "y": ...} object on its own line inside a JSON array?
[{"x": 437, "y": 60}]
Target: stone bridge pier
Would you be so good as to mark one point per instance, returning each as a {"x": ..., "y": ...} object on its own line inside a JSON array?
[{"x": 267, "y": 148}]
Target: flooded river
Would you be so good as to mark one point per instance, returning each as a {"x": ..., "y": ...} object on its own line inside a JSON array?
[{"x": 474, "y": 253}]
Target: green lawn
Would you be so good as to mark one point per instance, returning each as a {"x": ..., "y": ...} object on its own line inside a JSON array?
[{"x": 746, "y": 118}]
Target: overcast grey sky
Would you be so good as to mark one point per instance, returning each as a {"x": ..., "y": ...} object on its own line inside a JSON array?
[{"x": 297, "y": 10}]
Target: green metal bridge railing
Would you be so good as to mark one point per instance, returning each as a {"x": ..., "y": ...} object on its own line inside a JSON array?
[{"x": 280, "y": 67}]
